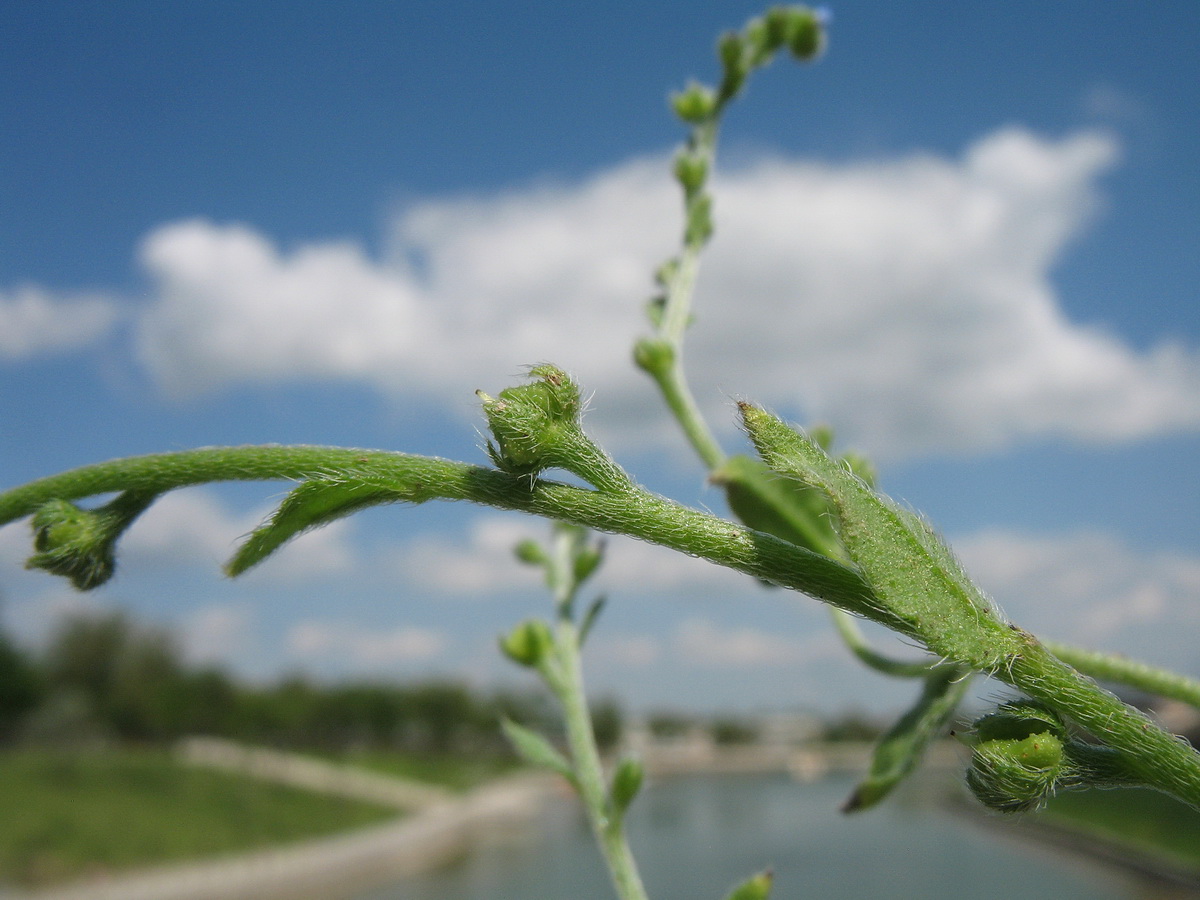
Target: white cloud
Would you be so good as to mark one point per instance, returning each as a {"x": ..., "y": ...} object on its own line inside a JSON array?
[
  {"x": 33, "y": 321},
  {"x": 485, "y": 563},
  {"x": 314, "y": 639},
  {"x": 701, "y": 642},
  {"x": 1093, "y": 589},
  {"x": 907, "y": 301}
]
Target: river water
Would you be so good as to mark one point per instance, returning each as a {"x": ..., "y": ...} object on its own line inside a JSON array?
[{"x": 695, "y": 837}]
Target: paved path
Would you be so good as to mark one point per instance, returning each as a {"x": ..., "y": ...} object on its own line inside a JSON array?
[
  {"x": 333, "y": 868},
  {"x": 312, "y": 774}
]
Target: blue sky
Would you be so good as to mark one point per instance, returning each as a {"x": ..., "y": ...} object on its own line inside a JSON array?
[{"x": 966, "y": 238}]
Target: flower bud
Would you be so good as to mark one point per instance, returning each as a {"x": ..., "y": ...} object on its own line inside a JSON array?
[
  {"x": 79, "y": 543},
  {"x": 528, "y": 643},
  {"x": 653, "y": 355},
  {"x": 530, "y": 552},
  {"x": 529, "y": 422},
  {"x": 1016, "y": 775},
  {"x": 694, "y": 104},
  {"x": 806, "y": 39},
  {"x": 691, "y": 171},
  {"x": 627, "y": 781}
]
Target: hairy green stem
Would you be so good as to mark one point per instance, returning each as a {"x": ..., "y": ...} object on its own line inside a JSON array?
[
  {"x": 1012, "y": 656},
  {"x": 1119, "y": 670},
  {"x": 853, "y": 637},
  {"x": 637, "y": 513},
  {"x": 608, "y": 828},
  {"x": 1159, "y": 759}
]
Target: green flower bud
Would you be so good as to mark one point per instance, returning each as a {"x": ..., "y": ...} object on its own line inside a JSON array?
[
  {"x": 779, "y": 24},
  {"x": 530, "y": 552},
  {"x": 758, "y": 42},
  {"x": 1011, "y": 775},
  {"x": 530, "y": 422},
  {"x": 528, "y": 643},
  {"x": 653, "y": 355},
  {"x": 79, "y": 543},
  {"x": 732, "y": 51},
  {"x": 626, "y": 782},
  {"x": 694, "y": 104},
  {"x": 691, "y": 171},
  {"x": 806, "y": 38}
]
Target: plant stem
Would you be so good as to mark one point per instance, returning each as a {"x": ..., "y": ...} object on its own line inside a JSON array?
[
  {"x": 609, "y": 829},
  {"x": 853, "y": 637},
  {"x": 1118, "y": 669},
  {"x": 1163, "y": 760},
  {"x": 1159, "y": 759}
]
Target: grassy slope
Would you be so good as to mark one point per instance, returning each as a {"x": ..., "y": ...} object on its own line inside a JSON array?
[
  {"x": 458, "y": 773},
  {"x": 70, "y": 815}
]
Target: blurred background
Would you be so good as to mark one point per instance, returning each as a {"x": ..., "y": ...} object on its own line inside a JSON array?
[{"x": 965, "y": 239}]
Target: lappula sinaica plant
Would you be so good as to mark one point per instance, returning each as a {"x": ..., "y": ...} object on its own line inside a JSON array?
[{"x": 808, "y": 521}]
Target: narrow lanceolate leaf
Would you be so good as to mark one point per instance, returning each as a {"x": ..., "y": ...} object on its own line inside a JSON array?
[
  {"x": 310, "y": 505},
  {"x": 900, "y": 750},
  {"x": 536, "y": 750},
  {"x": 589, "y": 618},
  {"x": 912, "y": 572},
  {"x": 755, "y": 888}
]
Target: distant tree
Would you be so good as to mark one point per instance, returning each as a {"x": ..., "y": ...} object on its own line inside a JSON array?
[
  {"x": 728, "y": 731},
  {"x": 21, "y": 687},
  {"x": 666, "y": 725},
  {"x": 132, "y": 677}
]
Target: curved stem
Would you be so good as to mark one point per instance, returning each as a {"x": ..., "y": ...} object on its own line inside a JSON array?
[
  {"x": 1118, "y": 669},
  {"x": 1161, "y": 760},
  {"x": 854, "y": 639}
]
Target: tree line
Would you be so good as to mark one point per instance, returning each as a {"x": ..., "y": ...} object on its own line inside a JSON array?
[{"x": 109, "y": 679}]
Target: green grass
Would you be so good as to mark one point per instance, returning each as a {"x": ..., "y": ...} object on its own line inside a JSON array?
[
  {"x": 458, "y": 773},
  {"x": 74, "y": 815},
  {"x": 1145, "y": 820}
]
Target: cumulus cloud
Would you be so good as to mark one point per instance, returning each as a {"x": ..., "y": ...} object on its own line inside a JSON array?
[
  {"x": 906, "y": 301},
  {"x": 1092, "y": 589},
  {"x": 314, "y": 639},
  {"x": 484, "y": 562},
  {"x": 701, "y": 642},
  {"x": 34, "y": 321}
]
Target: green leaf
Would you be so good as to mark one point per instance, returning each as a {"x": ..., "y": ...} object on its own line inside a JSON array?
[
  {"x": 536, "y": 750},
  {"x": 589, "y": 618},
  {"x": 312, "y": 504},
  {"x": 900, "y": 750},
  {"x": 755, "y": 888},
  {"x": 916, "y": 579}
]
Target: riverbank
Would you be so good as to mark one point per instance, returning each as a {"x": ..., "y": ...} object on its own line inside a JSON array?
[{"x": 436, "y": 828}]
